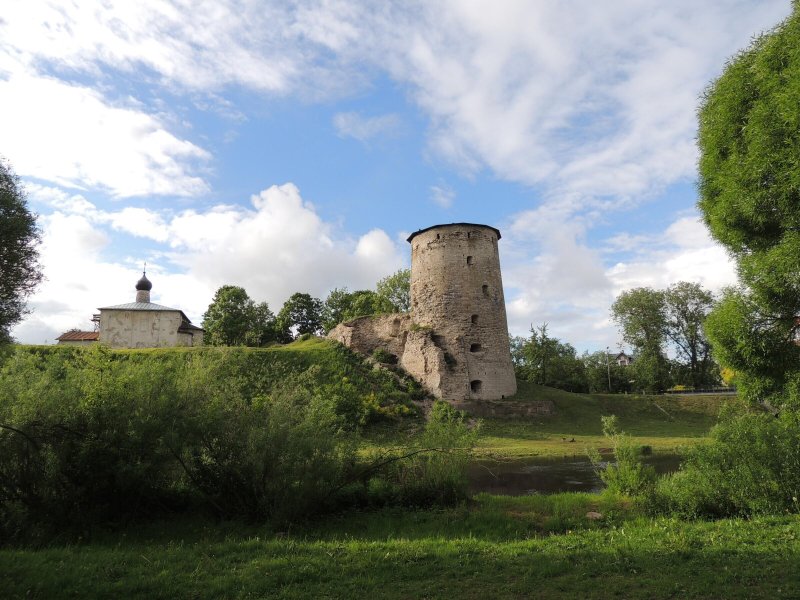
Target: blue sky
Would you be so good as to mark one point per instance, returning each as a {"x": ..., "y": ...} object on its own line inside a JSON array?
[{"x": 293, "y": 146}]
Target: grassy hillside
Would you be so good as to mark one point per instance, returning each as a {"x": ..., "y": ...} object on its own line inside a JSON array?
[
  {"x": 662, "y": 422},
  {"x": 246, "y": 373},
  {"x": 665, "y": 423},
  {"x": 380, "y": 397}
]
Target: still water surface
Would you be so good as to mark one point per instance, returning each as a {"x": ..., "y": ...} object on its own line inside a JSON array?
[{"x": 549, "y": 475}]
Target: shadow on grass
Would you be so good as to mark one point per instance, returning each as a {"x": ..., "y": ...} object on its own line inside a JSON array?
[{"x": 640, "y": 559}]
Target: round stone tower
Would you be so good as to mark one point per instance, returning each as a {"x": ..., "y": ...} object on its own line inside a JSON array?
[{"x": 457, "y": 292}]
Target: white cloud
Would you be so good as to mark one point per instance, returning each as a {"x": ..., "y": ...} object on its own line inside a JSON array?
[
  {"x": 684, "y": 252},
  {"x": 141, "y": 223},
  {"x": 443, "y": 195},
  {"x": 599, "y": 105},
  {"x": 354, "y": 125},
  {"x": 69, "y": 135},
  {"x": 567, "y": 286},
  {"x": 277, "y": 247}
]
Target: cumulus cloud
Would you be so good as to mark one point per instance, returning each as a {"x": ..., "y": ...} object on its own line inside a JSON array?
[
  {"x": 277, "y": 246},
  {"x": 355, "y": 125},
  {"x": 683, "y": 252},
  {"x": 568, "y": 285}
]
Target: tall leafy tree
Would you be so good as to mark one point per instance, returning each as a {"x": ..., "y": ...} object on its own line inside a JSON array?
[
  {"x": 301, "y": 314},
  {"x": 234, "y": 319},
  {"x": 548, "y": 361},
  {"x": 641, "y": 315},
  {"x": 749, "y": 139},
  {"x": 686, "y": 306},
  {"x": 396, "y": 289},
  {"x": 20, "y": 271}
]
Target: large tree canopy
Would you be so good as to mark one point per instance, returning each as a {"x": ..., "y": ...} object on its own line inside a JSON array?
[
  {"x": 301, "y": 314},
  {"x": 343, "y": 305},
  {"x": 548, "y": 361},
  {"x": 686, "y": 306},
  {"x": 20, "y": 272},
  {"x": 749, "y": 138},
  {"x": 234, "y": 319},
  {"x": 654, "y": 320},
  {"x": 396, "y": 289}
]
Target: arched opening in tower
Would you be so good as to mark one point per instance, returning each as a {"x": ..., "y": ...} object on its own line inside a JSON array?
[
  {"x": 475, "y": 386},
  {"x": 475, "y": 348}
]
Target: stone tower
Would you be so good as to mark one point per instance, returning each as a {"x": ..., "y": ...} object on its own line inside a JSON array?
[{"x": 457, "y": 293}]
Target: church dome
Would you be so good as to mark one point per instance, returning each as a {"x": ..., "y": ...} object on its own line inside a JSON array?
[{"x": 144, "y": 284}]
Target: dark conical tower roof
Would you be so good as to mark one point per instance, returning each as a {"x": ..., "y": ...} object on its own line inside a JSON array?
[{"x": 144, "y": 284}]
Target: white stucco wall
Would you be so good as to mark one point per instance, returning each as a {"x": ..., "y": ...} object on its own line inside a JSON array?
[{"x": 143, "y": 329}]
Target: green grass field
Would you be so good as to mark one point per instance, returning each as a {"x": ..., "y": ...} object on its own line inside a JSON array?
[
  {"x": 665, "y": 423},
  {"x": 495, "y": 548}
]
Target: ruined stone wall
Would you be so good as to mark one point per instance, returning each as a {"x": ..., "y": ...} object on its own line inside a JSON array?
[
  {"x": 457, "y": 291},
  {"x": 413, "y": 346},
  {"x": 366, "y": 334}
]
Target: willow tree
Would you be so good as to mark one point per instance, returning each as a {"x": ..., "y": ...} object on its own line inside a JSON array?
[{"x": 749, "y": 139}]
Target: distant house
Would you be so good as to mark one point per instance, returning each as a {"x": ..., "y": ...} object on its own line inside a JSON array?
[
  {"x": 622, "y": 359},
  {"x": 139, "y": 324}
]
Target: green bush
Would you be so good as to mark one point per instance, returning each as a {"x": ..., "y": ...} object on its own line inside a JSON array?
[
  {"x": 627, "y": 475},
  {"x": 281, "y": 456},
  {"x": 434, "y": 471},
  {"x": 85, "y": 436},
  {"x": 89, "y": 435},
  {"x": 749, "y": 466}
]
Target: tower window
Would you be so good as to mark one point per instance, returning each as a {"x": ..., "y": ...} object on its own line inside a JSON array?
[
  {"x": 469, "y": 260},
  {"x": 475, "y": 348},
  {"x": 474, "y": 319},
  {"x": 475, "y": 386},
  {"x": 437, "y": 236},
  {"x": 485, "y": 289}
]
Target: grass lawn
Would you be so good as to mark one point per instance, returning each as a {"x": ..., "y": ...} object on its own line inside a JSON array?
[
  {"x": 665, "y": 423},
  {"x": 495, "y": 548}
]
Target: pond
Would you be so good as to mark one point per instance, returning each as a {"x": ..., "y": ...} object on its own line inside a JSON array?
[{"x": 549, "y": 475}]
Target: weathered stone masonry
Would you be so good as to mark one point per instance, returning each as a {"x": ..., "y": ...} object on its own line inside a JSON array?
[{"x": 455, "y": 341}]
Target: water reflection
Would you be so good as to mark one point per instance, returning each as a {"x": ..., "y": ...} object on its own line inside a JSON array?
[{"x": 549, "y": 475}]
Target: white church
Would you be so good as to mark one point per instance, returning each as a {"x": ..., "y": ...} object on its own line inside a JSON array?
[{"x": 139, "y": 324}]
